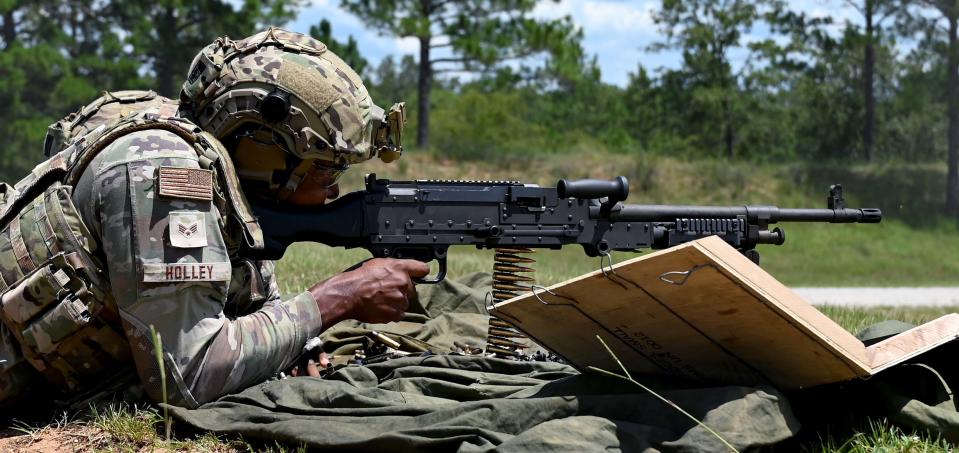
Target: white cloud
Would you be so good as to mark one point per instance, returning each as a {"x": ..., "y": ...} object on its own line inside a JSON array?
[
  {"x": 551, "y": 10},
  {"x": 324, "y": 9},
  {"x": 605, "y": 17},
  {"x": 407, "y": 45}
]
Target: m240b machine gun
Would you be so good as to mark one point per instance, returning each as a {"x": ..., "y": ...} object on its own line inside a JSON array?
[{"x": 422, "y": 219}]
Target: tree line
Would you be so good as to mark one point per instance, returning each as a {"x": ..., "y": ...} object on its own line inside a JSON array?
[{"x": 491, "y": 80}]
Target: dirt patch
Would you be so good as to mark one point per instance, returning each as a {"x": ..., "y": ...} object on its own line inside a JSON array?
[{"x": 75, "y": 438}]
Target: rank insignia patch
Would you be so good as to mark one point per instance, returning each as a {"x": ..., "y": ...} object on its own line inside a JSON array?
[
  {"x": 189, "y": 183},
  {"x": 187, "y": 229}
]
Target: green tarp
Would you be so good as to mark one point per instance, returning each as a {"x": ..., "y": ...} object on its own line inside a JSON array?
[
  {"x": 470, "y": 403},
  {"x": 453, "y": 403}
]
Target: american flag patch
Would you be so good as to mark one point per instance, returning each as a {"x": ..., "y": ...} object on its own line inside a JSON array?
[{"x": 190, "y": 183}]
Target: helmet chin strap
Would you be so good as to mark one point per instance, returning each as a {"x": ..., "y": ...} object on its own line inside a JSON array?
[{"x": 296, "y": 177}]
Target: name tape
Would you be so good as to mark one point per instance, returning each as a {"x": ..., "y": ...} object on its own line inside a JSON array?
[{"x": 186, "y": 272}]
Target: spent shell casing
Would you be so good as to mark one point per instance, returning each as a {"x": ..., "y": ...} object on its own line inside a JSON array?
[
  {"x": 385, "y": 339},
  {"x": 508, "y": 258}
]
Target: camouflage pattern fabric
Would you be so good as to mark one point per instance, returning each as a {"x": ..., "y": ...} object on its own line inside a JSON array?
[
  {"x": 332, "y": 115},
  {"x": 184, "y": 293},
  {"x": 57, "y": 318},
  {"x": 105, "y": 111},
  {"x": 16, "y": 374}
]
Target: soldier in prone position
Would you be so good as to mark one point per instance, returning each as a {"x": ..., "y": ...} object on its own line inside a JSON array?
[{"x": 136, "y": 224}]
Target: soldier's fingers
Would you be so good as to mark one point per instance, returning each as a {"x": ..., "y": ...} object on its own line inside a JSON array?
[
  {"x": 324, "y": 360},
  {"x": 312, "y": 369},
  {"x": 416, "y": 268},
  {"x": 399, "y": 306},
  {"x": 409, "y": 290}
]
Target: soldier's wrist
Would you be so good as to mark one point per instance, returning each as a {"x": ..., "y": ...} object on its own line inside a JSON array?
[{"x": 333, "y": 302}]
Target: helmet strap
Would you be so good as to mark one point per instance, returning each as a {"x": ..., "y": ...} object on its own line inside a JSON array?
[{"x": 294, "y": 180}]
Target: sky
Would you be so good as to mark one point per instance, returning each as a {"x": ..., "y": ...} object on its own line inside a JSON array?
[{"x": 618, "y": 32}]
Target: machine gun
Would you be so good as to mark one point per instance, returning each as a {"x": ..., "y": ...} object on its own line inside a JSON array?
[{"x": 421, "y": 219}]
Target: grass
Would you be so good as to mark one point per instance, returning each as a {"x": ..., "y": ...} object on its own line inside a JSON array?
[
  {"x": 881, "y": 437},
  {"x": 888, "y": 254},
  {"x": 856, "y": 319},
  {"x": 127, "y": 428}
]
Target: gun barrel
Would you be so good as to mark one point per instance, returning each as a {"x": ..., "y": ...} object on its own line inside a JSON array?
[
  {"x": 844, "y": 215},
  {"x": 772, "y": 214}
]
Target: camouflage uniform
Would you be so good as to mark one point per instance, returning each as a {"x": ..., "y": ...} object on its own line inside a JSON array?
[
  {"x": 161, "y": 220},
  {"x": 222, "y": 323}
]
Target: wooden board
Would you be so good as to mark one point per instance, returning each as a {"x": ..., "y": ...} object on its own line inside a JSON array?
[
  {"x": 728, "y": 321},
  {"x": 913, "y": 342}
]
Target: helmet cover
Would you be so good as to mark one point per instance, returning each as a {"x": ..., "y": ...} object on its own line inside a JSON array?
[{"x": 312, "y": 102}]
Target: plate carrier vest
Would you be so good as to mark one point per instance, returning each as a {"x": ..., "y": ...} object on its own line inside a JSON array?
[{"x": 59, "y": 319}]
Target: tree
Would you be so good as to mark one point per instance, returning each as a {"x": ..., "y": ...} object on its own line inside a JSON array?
[
  {"x": 706, "y": 32},
  {"x": 820, "y": 77},
  {"x": 874, "y": 14},
  {"x": 162, "y": 30},
  {"x": 477, "y": 35},
  {"x": 349, "y": 52},
  {"x": 948, "y": 12},
  {"x": 56, "y": 56},
  {"x": 393, "y": 82}
]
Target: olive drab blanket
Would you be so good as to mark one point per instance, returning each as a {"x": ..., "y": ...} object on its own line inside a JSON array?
[{"x": 471, "y": 403}]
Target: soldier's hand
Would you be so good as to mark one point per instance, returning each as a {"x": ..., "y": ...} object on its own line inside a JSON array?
[
  {"x": 311, "y": 366},
  {"x": 378, "y": 291}
]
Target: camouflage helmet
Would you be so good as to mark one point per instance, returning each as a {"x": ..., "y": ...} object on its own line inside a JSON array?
[{"x": 287, "y": 83}]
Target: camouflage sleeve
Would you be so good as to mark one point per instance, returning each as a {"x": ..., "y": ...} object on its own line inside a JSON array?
[
  {"x": 169, "y": 269},
  {"x": 268, "y": 272}
]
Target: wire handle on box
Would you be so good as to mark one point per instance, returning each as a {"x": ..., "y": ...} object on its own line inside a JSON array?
[
  {"x": 665, "y": 276},
  {"x": 611, "y": 274}
]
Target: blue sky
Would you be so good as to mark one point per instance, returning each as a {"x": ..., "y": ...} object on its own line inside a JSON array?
[{"x": 616, "y": 31}]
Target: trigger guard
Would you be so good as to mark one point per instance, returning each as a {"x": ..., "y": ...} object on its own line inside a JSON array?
[{"x": 439, "y": 275}]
